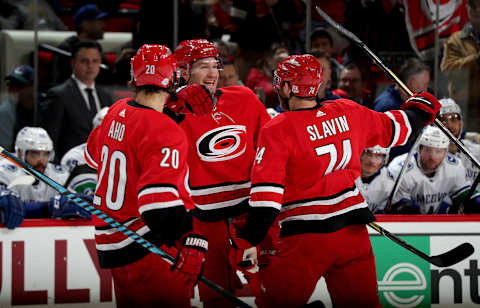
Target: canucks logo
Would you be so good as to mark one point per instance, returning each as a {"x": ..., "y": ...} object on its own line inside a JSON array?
[{"x": 222, "y": 143}]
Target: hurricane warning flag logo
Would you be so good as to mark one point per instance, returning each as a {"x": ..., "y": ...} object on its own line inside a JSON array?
[{"x": 222, "y": 143}]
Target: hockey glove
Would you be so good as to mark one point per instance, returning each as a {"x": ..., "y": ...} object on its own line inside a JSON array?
[
  {"x": 12, "y": 210},
  {"x": 425, "y": 102},
  {"x": 243, "y": 256},
  {"x": 194, "y": 99},
  {"x": 62, "y": 207},
  {"x": 404, "y": 206},
  {"x": 191, "y": 257}
]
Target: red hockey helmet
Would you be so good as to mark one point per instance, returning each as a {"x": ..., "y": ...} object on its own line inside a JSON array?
[
  {"x": 153, "y": 65},
  {"x": 189, "y": 51},
  {"x": 303, "y": 72}
]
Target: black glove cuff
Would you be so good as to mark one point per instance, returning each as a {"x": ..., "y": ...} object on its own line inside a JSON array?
[{"x": 195, "y": 241}]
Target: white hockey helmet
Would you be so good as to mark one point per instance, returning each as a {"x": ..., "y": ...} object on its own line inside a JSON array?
[
  {"x": 379, "y": 150},
  {"x": 33, "y": 138},
  {"x": 98, "y": 118},
  {"x": 449, "y": 106},
  {"x": 433, "y": 137}
]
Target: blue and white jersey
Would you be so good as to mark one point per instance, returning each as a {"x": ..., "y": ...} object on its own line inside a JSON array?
[
  {"x": 376, "y": 190},
  {"x": 74, "y": 157},
  {"x": 38, "y": 191},
  {"x": 470, "y": 169},
  {"x": 447, "y": 183}
]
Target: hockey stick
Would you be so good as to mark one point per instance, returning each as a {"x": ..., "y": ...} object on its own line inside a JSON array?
[
  {"x": 446, "y": 259},
  {"x": 112, "y": 222},
  {"x": 394, "y": 78},
  {"x": 402, "y": 171}
]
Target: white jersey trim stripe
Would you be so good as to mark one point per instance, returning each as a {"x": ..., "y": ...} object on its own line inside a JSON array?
[
  {"x": 332, "y": 201},
  {"x": 114, "y": 230},
  {"x": 219, "y": 205},
  {"x": 90, "y": 160},
  {"x": 272, "y": 204},
  {"x": 396, "y": 128},
  {"x": 97, "y": 200},
  {"x": 219, "y": 189},
  {"x": 159, "y": 205},
  {"x": 124, "y": 243},
  {"x": 268, "y": 189},
  {"x": 158, "y": 190},
  {"x": 325, "y": 216}
]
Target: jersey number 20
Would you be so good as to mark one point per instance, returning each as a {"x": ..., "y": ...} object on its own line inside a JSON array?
[{"x": 116, "y": 161}]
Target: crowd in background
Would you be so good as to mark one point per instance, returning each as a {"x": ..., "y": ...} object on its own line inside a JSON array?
[{"x": 252, "y": 37}]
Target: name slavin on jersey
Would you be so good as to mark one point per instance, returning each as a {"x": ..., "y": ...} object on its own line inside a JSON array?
[
  {"x": 328, "y": 128},
  {"x": 116, "y": 131}
]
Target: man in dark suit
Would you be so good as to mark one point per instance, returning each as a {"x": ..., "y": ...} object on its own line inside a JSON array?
[{"x": 71, "y": 106}]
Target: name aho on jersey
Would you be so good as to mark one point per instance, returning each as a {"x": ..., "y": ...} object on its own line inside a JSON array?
[
  {"x": 116, "y": 131},
  {"x": 328, "y": 128}
]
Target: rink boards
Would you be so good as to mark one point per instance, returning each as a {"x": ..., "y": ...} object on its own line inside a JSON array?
[{"x": 51, "y": 262}]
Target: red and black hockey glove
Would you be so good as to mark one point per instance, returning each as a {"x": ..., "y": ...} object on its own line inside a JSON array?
[
  {"x": 191, "y": 257},
  {"x": 425, "y": 102},
  {"x": 194, "y": 99}
]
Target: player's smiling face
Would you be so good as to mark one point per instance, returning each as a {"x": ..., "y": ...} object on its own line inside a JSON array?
[
  {"x": 431, "y": 158},
  {"x": 205, "y": 72}
]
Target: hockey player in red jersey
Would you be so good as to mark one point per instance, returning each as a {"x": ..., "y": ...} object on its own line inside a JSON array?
[
  {"x": 141, "y": 158},
  {"x": 304, "y": 172},
  {"x": 221, "y": 152}
]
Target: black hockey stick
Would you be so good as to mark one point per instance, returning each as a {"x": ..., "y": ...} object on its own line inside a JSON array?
[
  {"x": 400, "y": 175},
  {"x": 394, "y": 78},
  {"x": 446, "y": 259},
  {"x": 115, "y": 224}
]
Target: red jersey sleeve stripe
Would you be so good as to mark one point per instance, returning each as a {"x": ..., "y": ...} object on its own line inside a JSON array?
[
  {"x": 90, "y": 161},
  {"x": 402, "y": 128},
  {"x": 157, "y": 190}
]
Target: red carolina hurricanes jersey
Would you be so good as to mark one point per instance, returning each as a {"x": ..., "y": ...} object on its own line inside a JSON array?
[
  {"x": 221, "y": 151},
  {"x": 140, "y": 156},
  {"x": 307, "y": 162}
]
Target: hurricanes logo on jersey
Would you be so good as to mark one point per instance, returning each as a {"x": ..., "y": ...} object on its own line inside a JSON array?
[{"x": 222, "y": 143}]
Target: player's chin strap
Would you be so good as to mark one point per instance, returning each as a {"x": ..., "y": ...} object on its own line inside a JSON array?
[{"x": 113, "y": 223}]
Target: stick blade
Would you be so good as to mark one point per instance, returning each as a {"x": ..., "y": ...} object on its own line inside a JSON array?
[{"x": 453, "y": 256}]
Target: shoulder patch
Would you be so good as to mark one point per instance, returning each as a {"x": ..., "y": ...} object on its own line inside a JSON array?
[
  {"x": 10, "y": 167},
  {"x": 452, "y": 160}
]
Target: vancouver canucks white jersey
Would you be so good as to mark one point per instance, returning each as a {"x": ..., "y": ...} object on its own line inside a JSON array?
[
  {"x": 376, "y": 190},
  {"x": 396, "y": 164},
  {"x": 39, "y": 191},
  {"x": 74, "y": 157},
  {"x": 470, "y": 168},
  {"x": 449, "y": 181}
]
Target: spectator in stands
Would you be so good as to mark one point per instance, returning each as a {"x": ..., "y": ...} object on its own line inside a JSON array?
[
  {"x": 47, "y": 19},
  {"x": 352, "y": 85},
  {"x": 451, "y": 116},
  {"x": 71, "y": 106},
  {"x": 89, "y": 25},
  {"x": 376, "y": 182},
  {"x": 461, "y": 64},
  {"x": 416, "y": 76},
  {"x": 322, "y": 40},
  {"x": 260, "y": 77},
  {"x": 434, "y": 180},
  {"x": 23, "y": 196},
  {"x": 16, "y": 110},
  {"x": 324, "y": 90},
  {"x": 228, "y": 75}
]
